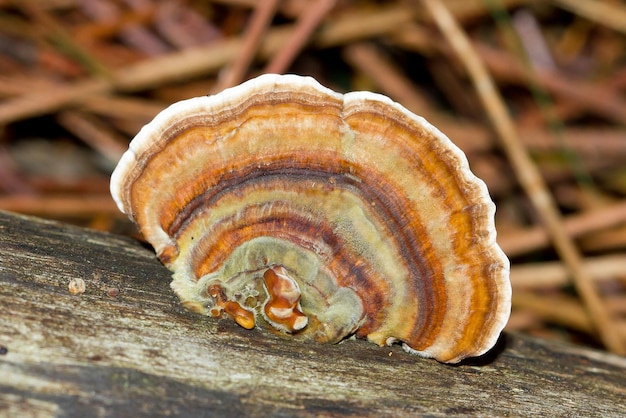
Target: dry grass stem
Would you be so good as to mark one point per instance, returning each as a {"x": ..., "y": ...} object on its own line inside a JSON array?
[
  {"x": 260, "y": 22},
  {"x": 604, "y": 12},
  {"x": 561, "y": 310},
  {"x": 189, "y": 63},
  {"x": 388, "y": 78},
  {"x": 536, "y": 238},
  {"x": 554, "y": 274},
  {"x": 309, "y": 19},
  {"x": 94, "y": 134}
]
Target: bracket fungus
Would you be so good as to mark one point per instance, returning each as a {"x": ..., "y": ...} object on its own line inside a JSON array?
[{"x": 290, "y": 207}]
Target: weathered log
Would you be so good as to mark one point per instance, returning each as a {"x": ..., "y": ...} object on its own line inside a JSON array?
[{"x": 125, "y": 347}]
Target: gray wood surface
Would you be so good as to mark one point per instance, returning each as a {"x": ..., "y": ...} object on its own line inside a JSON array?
[{"x": 125, "y": 347}]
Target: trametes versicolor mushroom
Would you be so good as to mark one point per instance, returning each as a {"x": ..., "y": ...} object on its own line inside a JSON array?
[{"x": 288, "y": 206}]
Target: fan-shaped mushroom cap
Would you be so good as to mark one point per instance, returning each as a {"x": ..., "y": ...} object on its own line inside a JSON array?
[{"x": 284, "y": 204}]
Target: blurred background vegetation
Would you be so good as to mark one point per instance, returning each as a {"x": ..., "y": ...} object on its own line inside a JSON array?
[{"x": 78, "y": 79}]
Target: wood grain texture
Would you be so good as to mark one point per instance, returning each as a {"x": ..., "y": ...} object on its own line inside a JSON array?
[{"x": 139, "y": 353}]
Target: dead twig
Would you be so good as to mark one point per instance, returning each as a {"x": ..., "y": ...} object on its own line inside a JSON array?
[
  {"x": 259, "y": 24},
  {"x": 387, "y": 76},
  {"x": 94, "y": 133},
  {"x": 192, "y": 62},
  {"x": 553, "y": 274},
  {"x": 309, "y": 19},
  {"x": 523, "y": 241},
  {"x": 607, "y": 13}
]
